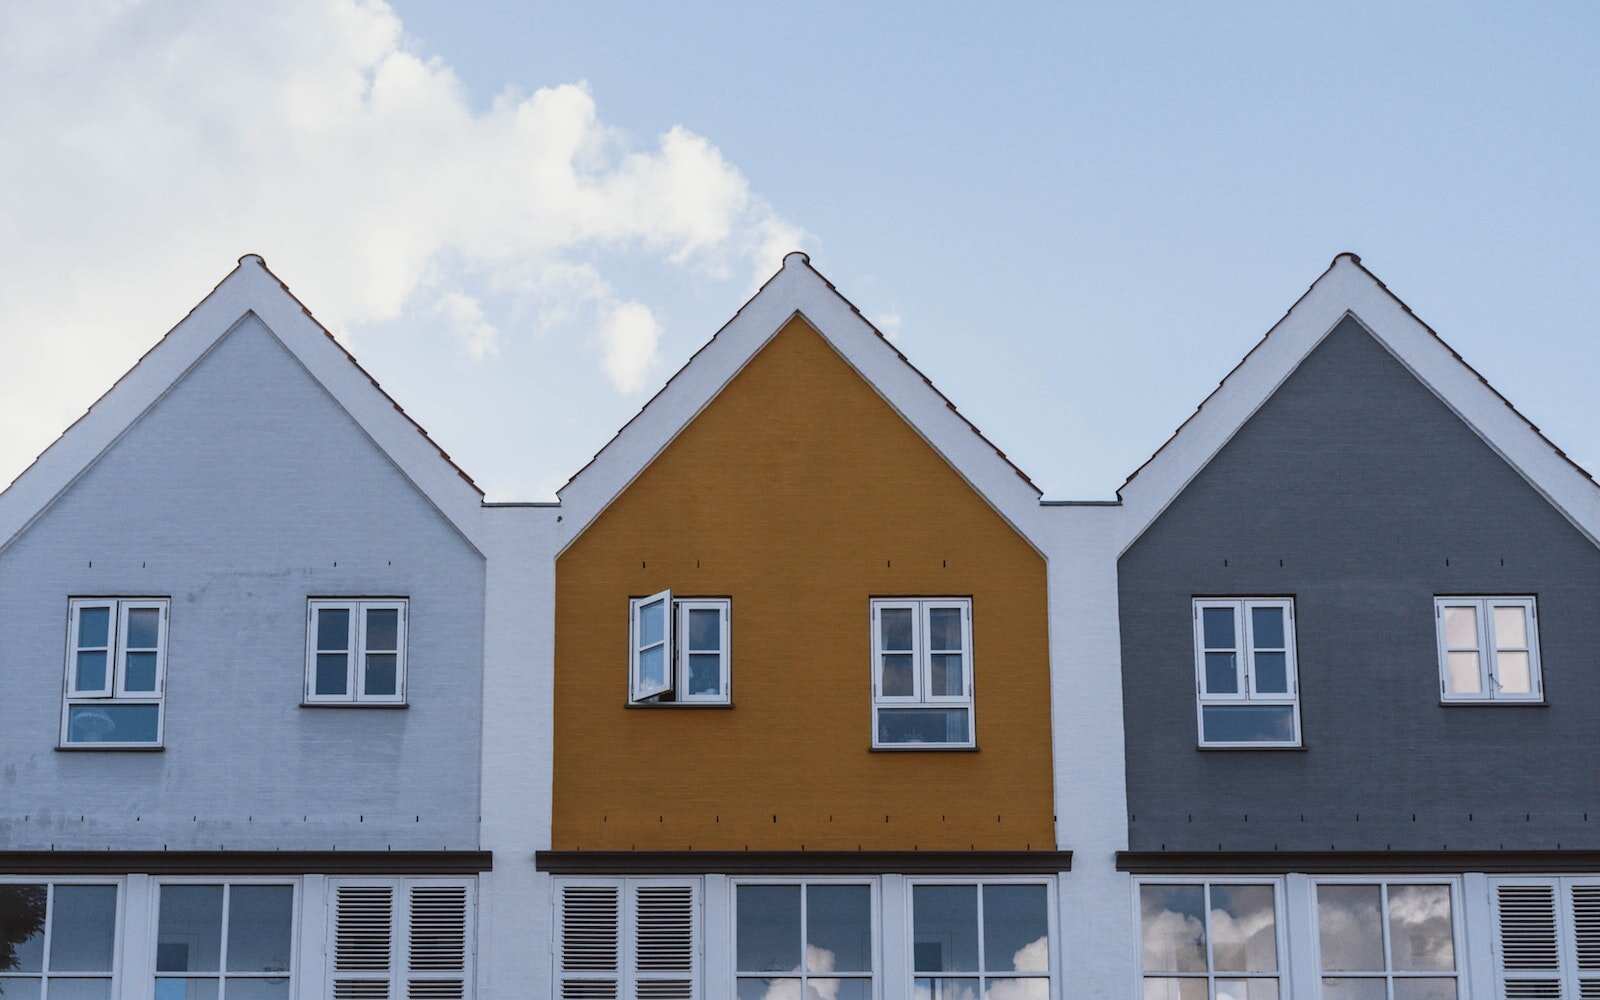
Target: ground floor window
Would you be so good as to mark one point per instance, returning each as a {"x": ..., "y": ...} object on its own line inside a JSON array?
[
  {"x": 1387, "y": 940},
  {"x": 222, "y": 940},
  {"x": 804, "y": 939},
  {"x": 57, "y": 939},
  {"x": 981, "y": 940},
  {"x": 1210, "y": 940}
]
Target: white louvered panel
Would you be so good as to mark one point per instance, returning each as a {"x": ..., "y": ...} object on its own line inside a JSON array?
[
  {"x": 1589, "y": 989},
  {"x": 591, "y": 918},
  {"x": 436, "y": 989},
  {"x": 363, "y": 928},
  {"x": 1528, "y": 939},
  {"x": 664, "y": 989},
  {"x": 1533, "y": 989},
  {"x": 1586, "y": 927},
  {"x": 361, "y": 989},
  {"x": 663, "y": 929},
  {"x": 588, "y": 989},
  {"x": 438, "y": 930}
]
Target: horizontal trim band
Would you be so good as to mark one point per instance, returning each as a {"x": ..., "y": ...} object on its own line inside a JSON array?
[
  {"x": 245, "y": 862},
  {"x": 803, "y": 862},
  {"x": 1354, "y": 862}
]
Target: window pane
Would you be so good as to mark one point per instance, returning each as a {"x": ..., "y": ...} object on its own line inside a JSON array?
[
  {"x": 1222, "y": 673},
  {"x": 333, "y": 673},
  {"x": 1350, "y": 928},
  {"x": 258, "y": 989},
  {"x": 1248, "y": 723},
  {"x": 1172, "y": 928},
  {"x": 949, "y": 989},
  {"x": 949, "y": 679},
  {"x": 1461, "y": 628},
  {"x": 22, "y": 911},
  {"x": 1511, "y": 670},
  {"x": 1175, "y": 989},
  {"x": 1244, "y": 931},
  {"x": 705, "y": 629},
  {"x": 333, "y": 628},
  {"x": 260, "y": 926},
  {"x": 113, "y": 723},
  {"x": 838, "y": 928},
  {"x": 144, "y": 626},
  {"x": 139, "y": 673},
  {"x": 768, "y": 932},
  {"x": 894, "y": 628},
  {"x": 1218, "y": 628},
  {"x": 1016, "y": 928},
  {"x": 383, "y": 628},
  {"x": 705, "y": 673},
  {"x": 652, "y": 623},
  {"x": 1421, "y": 934},
  {"x": 91, "y": 672},
  {"x": 653, "y": 667},
  {"x": 1510, "y": 627},
  {"x": 1353, "y": 989},
  {"x": 382, "y": 674},
  {"x": 1247, "y": 989},
  {"x": 1017, "y": 989},
  {"x": 19, "y": 989},
  {"x": 189, "y": 931},
  {"x": 765, "y": 989},
  {"x": 944, "y": 935},
  {"x": 838, "y": 989},
  {"x": 1272, "y": 673},
  {"x": 186, "y": 989},
  {"x": 923, "y": 725},
  {"x": 1266, "y": 626},
  {"x": 79, "y": 989},
  {"x": 83, "y": 928},
  {"x": 1424, "y": 989},
  {"x": 944, "y": 626},
  {"x": 1463, "y": 672},
  {"x": 94, "y": 627},
  {"x": 897, "y": 675}
]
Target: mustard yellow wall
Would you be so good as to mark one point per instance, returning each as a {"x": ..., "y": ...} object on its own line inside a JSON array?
[{"x": 800, "y": 494}]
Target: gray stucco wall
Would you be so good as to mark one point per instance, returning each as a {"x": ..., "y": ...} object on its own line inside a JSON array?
[
  {"x": 243, "y": 492},
  {"x": 1359, "y": 493}
]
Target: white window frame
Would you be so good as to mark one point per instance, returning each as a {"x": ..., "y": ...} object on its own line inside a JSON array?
[
  {"x": 875, "y": 976},
  {"x": 1488, "y": 651},
  {"x": 1388, "y": 977},
  {"x": 1244, "y": 667},
  {"x": 922, "y": 667},
  {"x": 1053, "y": 947},
  {"x": 119, "y": 928},
  {"x": 114, "y": 691},
  {"x": 675, "y": 644},
  {"x": 626, "y": 975},
  {"x": 221, "y": 976},
  {"x": 355, "y": 694},
  {"x": 1283, "y": 974}
]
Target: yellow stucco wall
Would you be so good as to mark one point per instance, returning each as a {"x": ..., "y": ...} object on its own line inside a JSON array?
[{"x": 800, "y": 494}]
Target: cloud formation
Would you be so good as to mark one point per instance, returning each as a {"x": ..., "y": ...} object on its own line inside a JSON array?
[{"x": 148, "y": 145}]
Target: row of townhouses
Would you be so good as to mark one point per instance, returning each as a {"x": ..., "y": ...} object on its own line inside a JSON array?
[{"x": 801, "y": 690}]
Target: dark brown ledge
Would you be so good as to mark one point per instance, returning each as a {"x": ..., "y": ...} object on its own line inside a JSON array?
[{"x": 1354, "y": 862}]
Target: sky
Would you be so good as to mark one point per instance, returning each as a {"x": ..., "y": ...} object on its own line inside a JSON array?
[{"x": 523, "y": 217}]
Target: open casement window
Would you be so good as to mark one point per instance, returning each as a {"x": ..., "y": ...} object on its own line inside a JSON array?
[
  {"x": 1246, "y": 676},
  {"x": 116, "y": 672},
  {"x": 400, "y": 939},
  {"x": 989, "y": 939},
  {"x": 922, "y": 673},
  {"x": 1388, "y": 939},
  {"x": 1547, "y": 938},
  {"x": 1488, "y": 649},
  {"x": 679, "y": 650},
  {"x": 619, "y": 939},
  {"x": 1215, "y": 940},
  {"x": 356, "y": 652},
  {"x": 58, "y": 939}
]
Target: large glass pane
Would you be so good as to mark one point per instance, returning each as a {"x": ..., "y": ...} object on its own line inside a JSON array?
[
  {"x": 944, "y": 626},
  {"x": 333, "y": 673},
  {"x": 1172, "y": 927},
  {"x": 1016, "y": 989},
  {"x": 22, "y": 913},
  {"x": 1218, "y": 628},
  {"x": 333, "y": 628},
  {"x": 1247, "y": 989},
  {"x": 1266, "y": 628},
  {"x": 18, "y": 989},
  {"x": 139, "y": 673},
  {"x": 767, "y": 938},
  {"x": 949, "y": 679},
  {"x": 769, "y": 989},
  {"x": 705, "y": 630},
  {"x": 1222, "y": 673},
  {"x": 949, "y": 989},
  {"x": 79, "y": 989},
  {"x": 1248, "y": 723},
  {"x": 652, "y": 623},
  {"x": 705, "y": 673},
  {"x": 894, "y": 628},
  {"x": 1463, "y": 673},
  {"x": 383, "y": 674},
  {"x": 838, "y": 928},
  {"x": 144, "y": 629},
  {"x": 113, "y": 723},
  {"x": 1354, "y": 989},
  {"x": 1513, "y": 673},
  {"x": 91, "y": 674},
  {"x": 189, "y": 929},
  {"x": 1424, "y": 989},
  {"x": 260, "y": 928},
  {"x": 94, "y": 627},
  {"x": 1272, "y": 673},
  {"x": 1510, "y": 627},
  {"x": 83, "y": 928},
  {"x": 653, "y": 667},
  {"x": 838, "y": 989},
  {"x": 898, "y": 677},
  {"x": 383, "y": 628},
  {"x": 1461, "y": 627},
  {"x": 1421, "y": 931},
  {"x": 1016, "y": 928},
  {"x": 1175, "y": 989},
  {"x": 258, "y": 989},
  {"x": 923, "y": 725},
  {"x": 1244, "y": 928},
  {"x": 1350, "y": 928},
  {"x": 944, "y": 928},
  {"x": 186, "y": 989}
]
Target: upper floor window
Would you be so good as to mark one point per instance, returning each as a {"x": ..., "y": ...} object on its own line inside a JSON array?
[
  {"x": 804, "y": 940},
  {"x": 356, "y": 651},
  {"x": 922, "y": 673},
  {"x": 57, "y": 939},
  {"x": 1488, "y": 648},
  {"x": 116, "y": 667},
  {"x": 989, "y": 939},
  {"x": 678, "y": 650},
  {"x": 1244, "y": 653},
  {"x": 1212, "y": 939}
]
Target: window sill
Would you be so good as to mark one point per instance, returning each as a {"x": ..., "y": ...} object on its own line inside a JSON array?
[
  {"x": 106, "y": 748},
  {"x": 365, "y": 706},
  {"x": 922, "y": 748},
  {"x": 678, "y": 704},
  {"x": 1493, "y": 703},
  {"x": 1250, "y": 747}
]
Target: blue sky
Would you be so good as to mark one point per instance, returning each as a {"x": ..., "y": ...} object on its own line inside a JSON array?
[{"x": 1074, "y": 219}]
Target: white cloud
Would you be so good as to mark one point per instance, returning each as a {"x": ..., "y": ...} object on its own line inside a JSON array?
[{"x": 147, "y": 145}]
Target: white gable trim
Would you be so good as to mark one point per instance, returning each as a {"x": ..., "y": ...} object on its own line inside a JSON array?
[
  {"x": 797, "y": 289},
  {"x": 249, "y": 289},
  {"x": 1347, "y": 288}
]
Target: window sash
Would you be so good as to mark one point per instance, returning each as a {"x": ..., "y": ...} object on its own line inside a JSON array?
[
  {"x": 681, "y": 633},
  {"x": 45, "y": 974},
  {"x": 639, "y": 688},
  {"x": 1488, "y": 648},
  {"x": 982, "y": 973},
  {"x": 355, "y": 650},
  {"x": 1212, "y": 974},
  {"x": 114, "y": 691},
  {"x": 1389, "y": 975},
  {"x": 222, "y": 975}
]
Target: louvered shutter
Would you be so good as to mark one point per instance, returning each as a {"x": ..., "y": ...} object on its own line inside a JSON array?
[
  {"x": 664, "y": 945},
  {"x": 401, "y": 939},
  {"x": 439, "y": 941},
  {"x": 1586, "y": 936},
  {"x": 589, "y": 941},
  {"x": 363, "y": 939}
]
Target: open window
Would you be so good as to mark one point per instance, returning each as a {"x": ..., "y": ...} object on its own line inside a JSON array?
[{"x": 678, "y": 650}]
